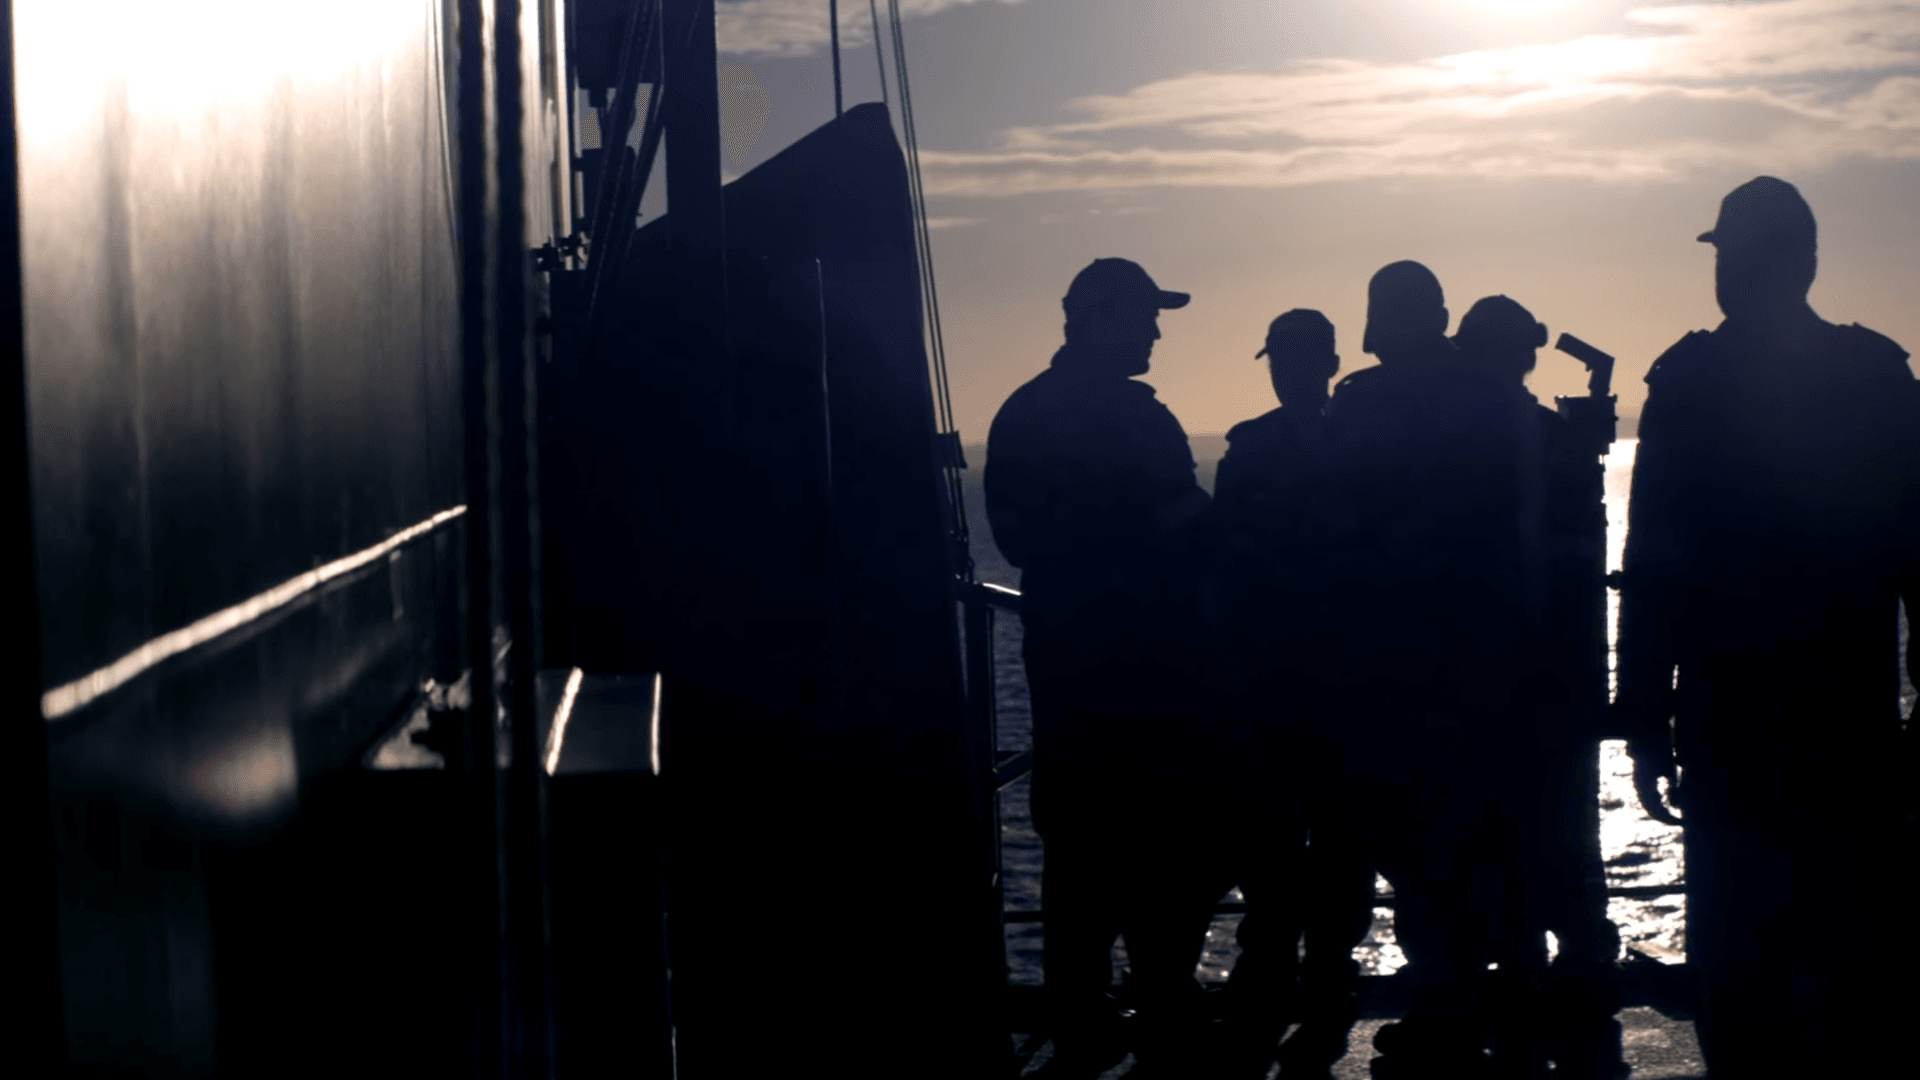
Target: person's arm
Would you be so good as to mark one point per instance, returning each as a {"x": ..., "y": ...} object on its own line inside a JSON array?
[
  {"x": 1003, "y": 520},
  {"x": 1909, "y": 556},
  {"x": 1910, "y": 597},
  {"x": 1910, "y": 732},
  {"x": 1907, "y": 427},
  {"x": 1161, "y": 468},
  {"x": 1910, "y": 533},
  {"x": 1653, "y": 574},
  {"x": 1010, "y": 494}
]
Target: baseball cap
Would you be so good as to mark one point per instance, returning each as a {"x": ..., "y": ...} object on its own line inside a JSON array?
[
  {"x": 1500, "y": 319},
  {"x": 1300, "y": 324},
  {"x": 1763, "y": 208},
  {"x": 1122, "y": 281}
]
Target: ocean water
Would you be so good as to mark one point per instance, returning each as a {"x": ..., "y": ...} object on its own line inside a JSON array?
[{"x": 1638, "y": 850}]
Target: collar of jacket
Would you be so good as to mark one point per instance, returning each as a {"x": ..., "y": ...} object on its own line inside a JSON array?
[{"x": 1077, "y": 364}]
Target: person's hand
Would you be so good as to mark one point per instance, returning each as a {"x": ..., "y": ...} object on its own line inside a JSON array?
[{"x": 1652, "y": 761}]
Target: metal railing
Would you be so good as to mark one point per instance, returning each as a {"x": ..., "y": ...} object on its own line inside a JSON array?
[{"x": 981, "y": 600}]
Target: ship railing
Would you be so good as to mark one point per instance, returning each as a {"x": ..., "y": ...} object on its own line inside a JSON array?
[{"x": 981, "y": 600}]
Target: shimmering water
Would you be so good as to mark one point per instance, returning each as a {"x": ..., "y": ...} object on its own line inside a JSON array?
[{"x": 1638, "y": 850}]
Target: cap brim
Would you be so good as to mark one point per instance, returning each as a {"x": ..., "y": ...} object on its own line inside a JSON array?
[
  {"x": 1260, "y": 354},
  {"x": 1705, "y": 237},
  {"x": 1173, "y": 299}
]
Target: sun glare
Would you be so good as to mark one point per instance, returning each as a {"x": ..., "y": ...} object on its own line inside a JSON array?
[
  {"x": 175, "y": 60},
  {"x": 1523, "y": 7}
]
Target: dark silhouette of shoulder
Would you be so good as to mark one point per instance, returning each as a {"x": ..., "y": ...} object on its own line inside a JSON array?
[
  {"x": 1070, "y": 430},
  {"x": 1876, "y": 353},
  {"x": 1355, "y": 384},
  {"x": 1054, "y": 407},
  {"x": 1074, "y": 461},
  {"x": 1682, "y": 358},
  {"x": 1265, "y": 451},
  {"x": 1840, "y": 400},
  {"x": 1274, "y": 429},
  {"x": 1358, "y": 378},
  {"x": 1850, "y": 360},
  {"x": 1247, "y": 432}
]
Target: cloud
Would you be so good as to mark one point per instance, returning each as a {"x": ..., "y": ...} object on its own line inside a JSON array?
[
  {"x": 952, "y": 222},
  {"x": 1780, "y": 85},
  {"x": 799, "y": 27}
]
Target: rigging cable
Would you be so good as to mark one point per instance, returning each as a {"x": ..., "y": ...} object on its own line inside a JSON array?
[
  {"x": 879, "y": 58},
  {"x": 626, "y": 168},
  {"x": 833, "y": 34},
  {"x": 949, "y": 436}
]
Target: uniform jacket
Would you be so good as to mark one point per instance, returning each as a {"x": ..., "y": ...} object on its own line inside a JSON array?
[
  {"x": 1440, "y": 579},
  {"x": 1091, "y": 492},
  {"x": 1771, "y": 522}
]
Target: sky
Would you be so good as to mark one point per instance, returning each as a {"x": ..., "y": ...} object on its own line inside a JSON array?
[{"x": 1272, "y": 154}]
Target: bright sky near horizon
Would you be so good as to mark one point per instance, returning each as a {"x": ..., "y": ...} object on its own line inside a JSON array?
[{"x": 1271, "y": 154}]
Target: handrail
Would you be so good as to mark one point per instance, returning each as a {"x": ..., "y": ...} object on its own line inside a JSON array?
[
  {"x": 984, "y": 592},
  {"x": 62, "y": 701},
  {"x": 1011, "y": 766}
]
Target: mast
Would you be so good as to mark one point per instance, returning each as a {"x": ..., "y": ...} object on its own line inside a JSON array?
[{"x": 696, "y": 214}]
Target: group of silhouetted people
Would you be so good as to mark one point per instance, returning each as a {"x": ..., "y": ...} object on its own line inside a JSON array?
[{"x": 1380, "y": 646}]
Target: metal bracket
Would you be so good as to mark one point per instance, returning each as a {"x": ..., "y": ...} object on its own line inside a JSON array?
[
  {"x": 947, "y": 444},
  {"x": 423, "y": 737},
  {"x": 552, "y": 258},
  {"x": 1011, "y": 766}
]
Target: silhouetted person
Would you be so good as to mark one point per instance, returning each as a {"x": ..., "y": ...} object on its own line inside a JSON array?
[
  {"x": 1769, "y": 535},
  {"x": 1277, "y": 518},
  {"x": 1434, "y": 604},
  {"x": 1091, "y": 492},
  {"x": 1550, "y": 777}
]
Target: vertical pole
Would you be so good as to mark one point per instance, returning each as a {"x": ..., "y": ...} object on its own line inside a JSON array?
[
  {"x": 529, "y": 1042},
  {"x": 831, "y": 544},
  {"x": 984, "y": 736},
  {"x": 701, "y": 367},
  {"x": 696, "y": 219},
  {"x": 37, "y": 1028},
  {"x": 480, "y": 922},
  {"x": 697, "y": 373},
  {"x": 833, "y": 33}
]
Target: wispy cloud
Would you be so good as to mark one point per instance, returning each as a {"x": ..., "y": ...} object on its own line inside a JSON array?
[
  {"x": 952, "y": 222},
  {"x": 1786, "y": 84},
  {"x": 799, "y": 27}
]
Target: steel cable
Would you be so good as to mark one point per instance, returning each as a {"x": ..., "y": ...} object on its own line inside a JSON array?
[{"x": 936, "y": 342}]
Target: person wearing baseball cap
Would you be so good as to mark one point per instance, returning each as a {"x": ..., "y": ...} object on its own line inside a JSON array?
[
  {"x": 1565, "y": 1010},
  {"x": 1275, "y": 513},
  {"x": 1113, "y": 310},
  {"x": 1431, "y": 590},
  {"x": 1091, "y": 492},
  {"x": 1121, "y": 281},
  {"x": 1766, "y": 252},
  {"x": 1771, "y": 531}
]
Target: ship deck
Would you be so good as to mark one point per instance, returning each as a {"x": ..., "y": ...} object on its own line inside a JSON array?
[
  {"x": 1658, "y": 1040},
  {"x": 607, "y": 725}
]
